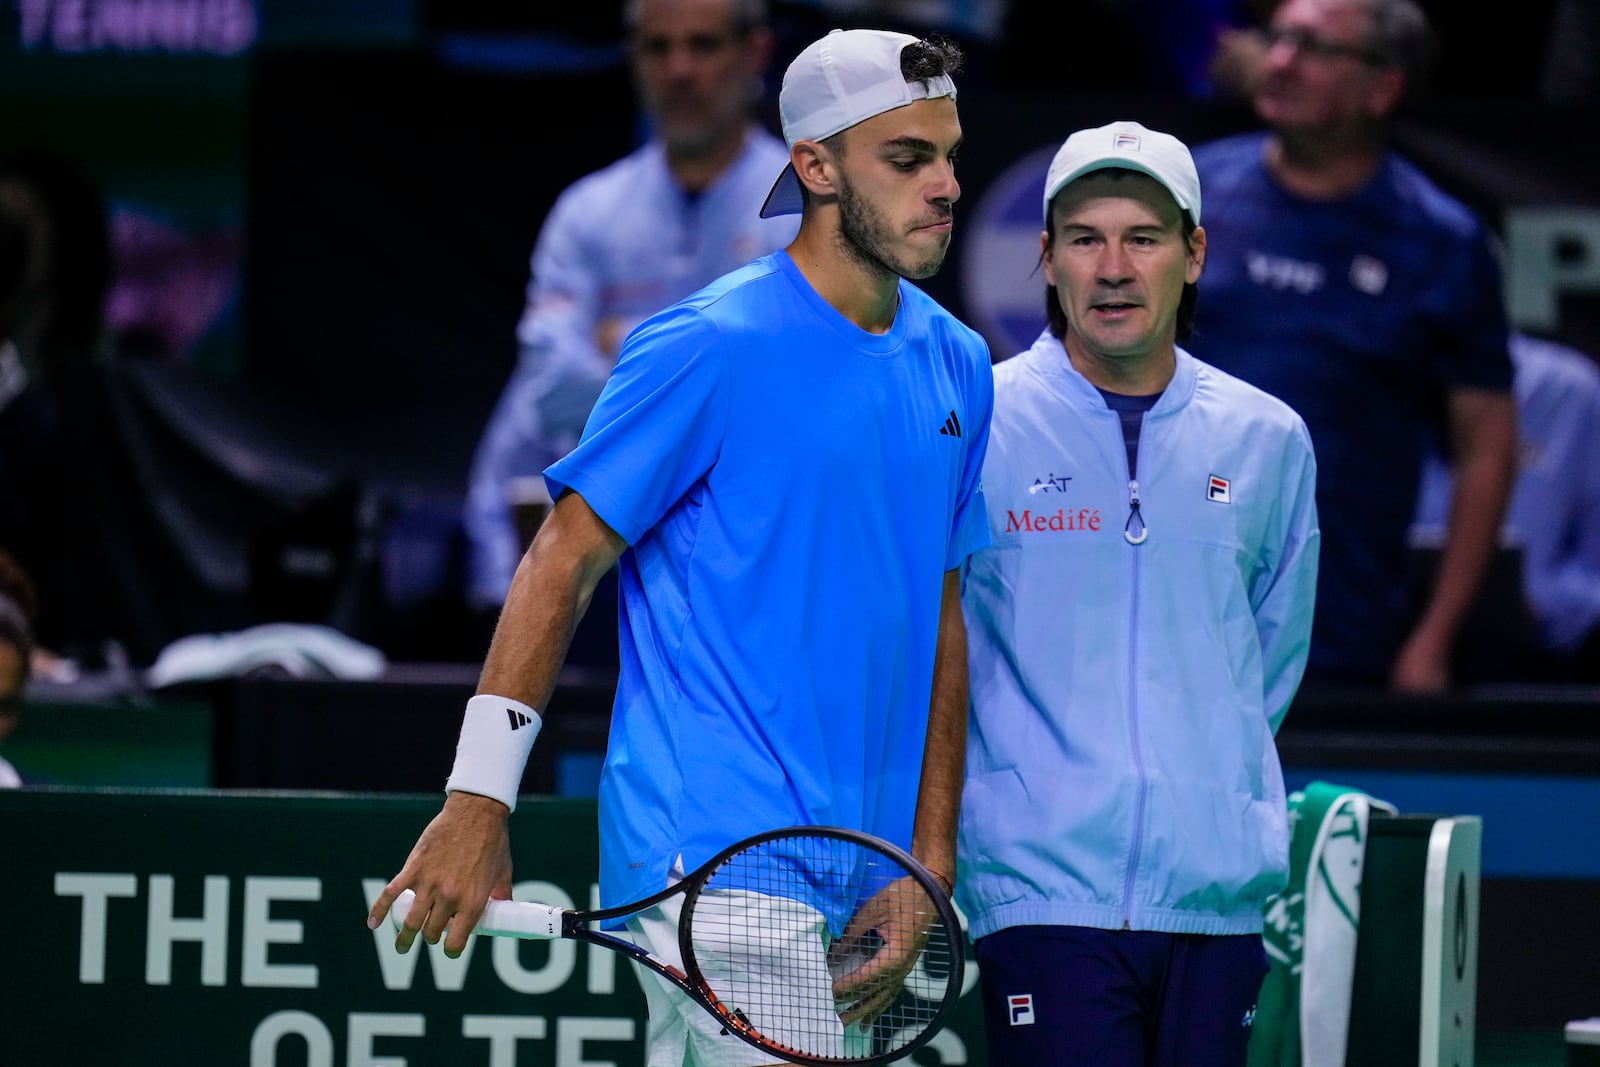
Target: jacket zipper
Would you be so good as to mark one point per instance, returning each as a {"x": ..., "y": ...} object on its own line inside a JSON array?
[{"x": 1135, "y": 532}]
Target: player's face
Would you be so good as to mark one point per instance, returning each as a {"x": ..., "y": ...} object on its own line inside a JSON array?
[
  {"x": 896, "y": 185},
  {"x": 1321, "y": 69},
  {"x": 696, "y": 73},
  {"x": 1119, "y": 262}
]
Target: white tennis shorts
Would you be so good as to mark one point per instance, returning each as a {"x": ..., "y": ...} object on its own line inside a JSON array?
[{"x": 758, "y": 975}]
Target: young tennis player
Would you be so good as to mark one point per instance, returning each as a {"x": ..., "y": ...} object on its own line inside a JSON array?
[
  {"x": 1138, "y": 628},
  {"x": 787, "y": 465}
]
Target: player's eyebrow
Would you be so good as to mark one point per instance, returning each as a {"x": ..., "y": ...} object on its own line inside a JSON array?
[{"x": 915, "y": 144}]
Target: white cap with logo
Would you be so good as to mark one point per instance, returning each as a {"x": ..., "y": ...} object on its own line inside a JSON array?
[
  {"x": 1132, "y": 146},
  {"x": 845, "y": 78}
]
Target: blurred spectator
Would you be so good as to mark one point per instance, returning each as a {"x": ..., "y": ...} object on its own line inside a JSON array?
[
  {"x": 1342, "y": 280},
  {"x": 17, "y": 610},
  {"x": 1492, "y": 60},
  {"x": 626, "y": 241},
  {"x": 1554, "y": 517}
]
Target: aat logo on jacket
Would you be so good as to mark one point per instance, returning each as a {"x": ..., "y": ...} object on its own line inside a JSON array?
[{"x": 1051, "y": 484}]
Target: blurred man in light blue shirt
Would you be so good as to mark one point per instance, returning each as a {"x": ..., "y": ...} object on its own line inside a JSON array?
[
  {"x": 626, "y": 241},
  {"x": 1554, "y": 515}
]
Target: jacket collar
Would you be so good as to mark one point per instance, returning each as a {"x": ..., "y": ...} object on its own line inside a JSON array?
[{"x": 1047, "y": 357}]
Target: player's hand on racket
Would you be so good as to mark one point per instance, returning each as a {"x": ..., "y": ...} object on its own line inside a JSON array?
[
  {"x": 751, "y": 937},
  {"x": 461, "y": 861},
  {"x": 886, "y": 935}
]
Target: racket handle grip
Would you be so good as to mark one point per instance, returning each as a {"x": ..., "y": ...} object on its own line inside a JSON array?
[
  {"x": 501, "y": 918},
  {"x": 521, "y": 918}
]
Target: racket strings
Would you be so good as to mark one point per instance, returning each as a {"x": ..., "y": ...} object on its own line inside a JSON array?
[{"x": 824, "y": 947}]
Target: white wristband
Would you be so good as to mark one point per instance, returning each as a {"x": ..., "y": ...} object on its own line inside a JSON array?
[{"x": 496, "y": 736}]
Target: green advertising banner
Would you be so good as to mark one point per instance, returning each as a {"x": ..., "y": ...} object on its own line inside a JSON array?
[{"x": 179, "y": 928}]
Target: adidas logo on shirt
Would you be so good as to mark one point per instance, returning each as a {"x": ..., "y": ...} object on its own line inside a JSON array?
[{"x": 951, "y": 427}]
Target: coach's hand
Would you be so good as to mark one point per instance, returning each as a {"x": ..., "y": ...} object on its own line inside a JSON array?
[
  {"x": 462, "y": 859},
  {"x": 888, "y": 934}
]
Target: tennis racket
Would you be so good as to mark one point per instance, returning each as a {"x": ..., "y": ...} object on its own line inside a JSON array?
[{"x": 816, "y": 944}]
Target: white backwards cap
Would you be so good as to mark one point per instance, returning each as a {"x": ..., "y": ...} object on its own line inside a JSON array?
[{"x": 846, "y": 78}]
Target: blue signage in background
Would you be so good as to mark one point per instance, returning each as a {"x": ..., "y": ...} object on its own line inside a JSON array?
[
  {"x": 1000, "y": 281},
  {"x": 164, "y": 27}
]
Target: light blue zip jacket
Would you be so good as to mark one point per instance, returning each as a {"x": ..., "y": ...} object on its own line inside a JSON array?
[{"x": 1121, "y": 767}]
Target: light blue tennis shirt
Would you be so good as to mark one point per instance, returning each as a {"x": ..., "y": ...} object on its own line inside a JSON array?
[{"x": 793, "y": 490}]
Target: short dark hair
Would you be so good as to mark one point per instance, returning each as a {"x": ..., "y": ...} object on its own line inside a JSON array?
[
  {"x": 1057, "y": 318},
  {"x": 931, "y": 57}
]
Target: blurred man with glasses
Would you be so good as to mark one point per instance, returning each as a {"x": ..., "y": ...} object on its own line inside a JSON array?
[{"x": 1344, "y": 281}]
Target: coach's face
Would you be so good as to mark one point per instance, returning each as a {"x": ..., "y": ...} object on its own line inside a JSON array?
[
  {"x": 1118, "y": 259},
  {"x": 697, "y": 71},
  {"x": 895, "y": 181}
]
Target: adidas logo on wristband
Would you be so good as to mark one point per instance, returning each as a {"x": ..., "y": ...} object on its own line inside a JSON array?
[{"x": 487, "y": 761}]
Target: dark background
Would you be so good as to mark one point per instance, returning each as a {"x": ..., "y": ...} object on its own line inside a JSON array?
[{"x": 380, "y": 170}]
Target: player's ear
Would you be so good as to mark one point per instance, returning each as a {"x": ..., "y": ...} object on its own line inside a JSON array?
[
  {"x": 1197, "y": 254},
  {"x": 815, "y": 166}
]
